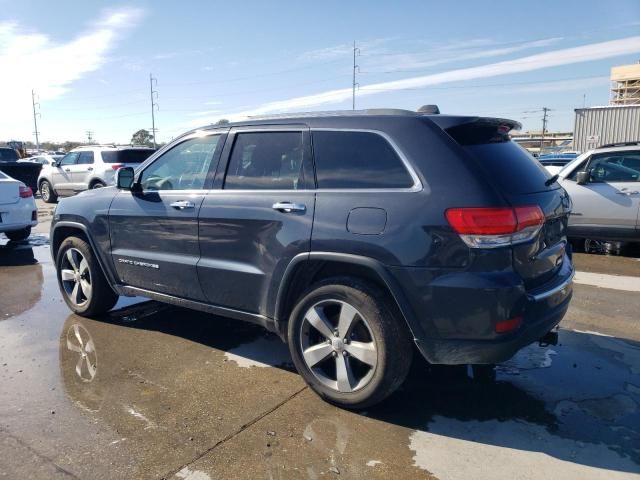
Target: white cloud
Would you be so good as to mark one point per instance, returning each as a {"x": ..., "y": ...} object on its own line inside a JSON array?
[
  {"x": 35, "y": 61},
  {"x": 567, "y": 56}
]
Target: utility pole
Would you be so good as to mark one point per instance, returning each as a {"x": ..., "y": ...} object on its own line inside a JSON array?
[
  {"x": 356, "y": 51},
  {"x": 89, "y": 134},
  {"x": 35, "y": 121},
  {"x": 154, "y": 105},
  {"x": 545, "y": 111}
]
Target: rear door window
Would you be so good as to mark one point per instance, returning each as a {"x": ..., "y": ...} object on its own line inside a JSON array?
[
  {"x": 349, "y": 159},
  {"x": 266, "y": 161},
  {"x": 85, "y": 158},
  {"x": 615, "y": 167}
]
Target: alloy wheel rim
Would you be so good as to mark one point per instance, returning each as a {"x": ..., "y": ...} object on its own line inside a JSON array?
[
  {"x": 338, "y": 346},
  {"x": 79, "y": 341},
  {"x": 44, "y": 191},
  {"x": 76, "y": 277}
]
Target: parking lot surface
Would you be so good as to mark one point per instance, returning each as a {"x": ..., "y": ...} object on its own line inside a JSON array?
[{"x": 155, "y": 391}]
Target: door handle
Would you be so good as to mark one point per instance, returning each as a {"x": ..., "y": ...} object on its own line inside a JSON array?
[
  {"x": 90, "y": 169},
  {"x": 67, "y": 169},
  {"x": 182, "y": 204},
  {"x": 288, "y": 207}
]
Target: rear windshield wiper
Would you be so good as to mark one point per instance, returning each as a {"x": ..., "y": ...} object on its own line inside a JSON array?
[{"x": 551, "y": 180}]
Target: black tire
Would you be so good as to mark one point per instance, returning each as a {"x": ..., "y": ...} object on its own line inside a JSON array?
[
  {"x": 98, "y": 184},
  {"x": 18, "y": 235},
  {"x": 102, "y": 297},
  {"x": 47, "y": 193},
  {"x": 387, "y": 328}
]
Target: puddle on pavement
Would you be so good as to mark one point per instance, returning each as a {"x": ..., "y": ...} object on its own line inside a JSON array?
[{"x": 148, "y": 388}]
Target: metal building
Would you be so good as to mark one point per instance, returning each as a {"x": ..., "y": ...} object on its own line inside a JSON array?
[{"x": 597, "y": 126}]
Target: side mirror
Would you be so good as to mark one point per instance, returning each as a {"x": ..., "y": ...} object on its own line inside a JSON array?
[
  {"x": 583, "y": 177},
  {"x": 53, "y": 163},
  {"x": 124, "y": 178}
]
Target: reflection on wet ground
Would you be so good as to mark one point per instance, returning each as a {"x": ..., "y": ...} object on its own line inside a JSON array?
[{"x": 155, "y": 391}]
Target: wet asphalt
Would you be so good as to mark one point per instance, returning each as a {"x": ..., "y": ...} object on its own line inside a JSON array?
[{"x": 156, "y": 391}]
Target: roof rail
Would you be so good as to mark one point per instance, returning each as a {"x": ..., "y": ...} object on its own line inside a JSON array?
[
  {"x": 337, "y": 113},
  {"x": 620, "y": 144}
]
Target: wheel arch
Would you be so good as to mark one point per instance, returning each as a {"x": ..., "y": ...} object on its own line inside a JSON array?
[
  {"x": 65, "y": 229},
  {"x": 309, "y": 268}
]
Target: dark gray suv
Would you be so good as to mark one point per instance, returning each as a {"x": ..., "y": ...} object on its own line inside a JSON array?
[{"x": 358, "y": 237}]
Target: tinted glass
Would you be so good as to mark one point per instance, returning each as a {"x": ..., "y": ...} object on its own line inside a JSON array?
[
  {"x": 266, "y": 161},
  {"x": 126, "y": 156},
  {"x": 70, "y": 159},
  {"x": 8, "y": 155},
  {"x": 511, "y": 167},
  {"x": 85, "y": 158},
  {"x": 357, "y": 160},
  {"x": 615, "y": 167},
  {"x": 185, "y": 167}
]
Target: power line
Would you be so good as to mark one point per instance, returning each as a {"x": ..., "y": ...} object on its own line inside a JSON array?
[
  {"x": 154, "y": 105},
  {"x": 35, "y": 121}
]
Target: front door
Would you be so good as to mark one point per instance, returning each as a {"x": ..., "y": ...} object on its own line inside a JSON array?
[
  {"x": 154, "y": 231},
  {"x": 610, "y": 201},
  {"x": 258, "y": 220},
  {"x": 82, "y": 171},
  {"x": 61, "y": 174}
]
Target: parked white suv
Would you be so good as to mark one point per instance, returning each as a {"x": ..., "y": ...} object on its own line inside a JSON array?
[
  {"x": 604, "y": 185},
  {"x": 87, "y": 167}
]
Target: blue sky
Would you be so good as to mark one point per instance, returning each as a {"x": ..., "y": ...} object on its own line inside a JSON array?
[{"x": 89, "y": 62}]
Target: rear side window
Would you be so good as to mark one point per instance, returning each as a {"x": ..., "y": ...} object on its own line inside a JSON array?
[
  {"x": 85, "y": 158},
  {"x": 511, "y": 167},
  {"x": 126, "y": 156},
  {"x": 266, "y": 161},
  {"x": 357, "y": 160}
]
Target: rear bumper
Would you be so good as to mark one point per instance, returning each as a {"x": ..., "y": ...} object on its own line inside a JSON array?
[{"x": 456, "y": 313}]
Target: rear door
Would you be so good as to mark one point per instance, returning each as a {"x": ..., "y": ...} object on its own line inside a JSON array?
[
  {"x": 61, "y": 175},
  {"x": 83, "y": 169},
  {"x": 609, "y": 203},
  {"x": 259, "y": 218},
  {"x": 154, "y": 231}
]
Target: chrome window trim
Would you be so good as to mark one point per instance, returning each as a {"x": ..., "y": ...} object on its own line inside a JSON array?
[{"x": 417, "y": 184}]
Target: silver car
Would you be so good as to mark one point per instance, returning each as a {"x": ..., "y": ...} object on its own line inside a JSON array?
[
  {"x": 83, "y": 168},
  {"x": 604, "y": 185}
]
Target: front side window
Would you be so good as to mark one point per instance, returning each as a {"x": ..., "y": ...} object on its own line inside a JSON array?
[
  {"x": 615, "y": 167},
  {"x": 266, "y": 161},
  {"x": 185, "y": 167},
  {"x": 70, "y": 159},
  {"x": 357, "y": 160},
  {"x": 85, "y": 158}
]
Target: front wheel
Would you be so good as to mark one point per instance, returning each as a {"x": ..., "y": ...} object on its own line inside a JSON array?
[
  {"x": 98, "y": 184},
  {"x": 81, "y": 281},
  {"x": 349, "y": 343},
  {"x": 47, "y": 193}
]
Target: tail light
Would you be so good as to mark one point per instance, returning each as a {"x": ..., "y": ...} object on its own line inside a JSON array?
[
  {"x": 495, "y": 227},
  {"x": 25, "y": 192},
  {"x": 116, "y": 166},
  {"x": 506, "y": 326}
]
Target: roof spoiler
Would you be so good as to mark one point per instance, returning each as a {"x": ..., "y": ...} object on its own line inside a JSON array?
[{"x": 477, "y": 130}]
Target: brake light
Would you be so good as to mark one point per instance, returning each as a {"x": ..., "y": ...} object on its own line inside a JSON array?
[
  {"x": 495, "y": 227},
  {"x": 25, "y": 192},
  {"x": 117, "y": 166}
]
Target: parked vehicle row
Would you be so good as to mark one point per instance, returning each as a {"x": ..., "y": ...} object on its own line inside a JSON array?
[
  {"x": 87, "y": 167},
  {"x": 347, "y": 234}
]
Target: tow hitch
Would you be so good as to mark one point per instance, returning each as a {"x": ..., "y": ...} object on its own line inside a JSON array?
[{"x": 549, "y": 338}]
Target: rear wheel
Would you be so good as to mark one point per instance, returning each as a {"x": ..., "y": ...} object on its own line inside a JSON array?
[
  {"x": 98, "y": 184},
  {"x": 348, "y": 343},
  {"x": 46, "y": 192},
  {"x": 18, "y": 235},
  {"x": 81, "y": 281}
]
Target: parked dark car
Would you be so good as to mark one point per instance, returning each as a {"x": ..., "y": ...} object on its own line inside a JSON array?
[
  {"x": 27, "y": 173},
  {"x": 354, "y": 236}
]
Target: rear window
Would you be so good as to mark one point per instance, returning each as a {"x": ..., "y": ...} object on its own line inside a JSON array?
[
  {"x": 8, "y": 155},
  {"x": 346, "y": 159},
  {"x": 126, "y": 156},
  {"x": 511, "y": 167}
]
